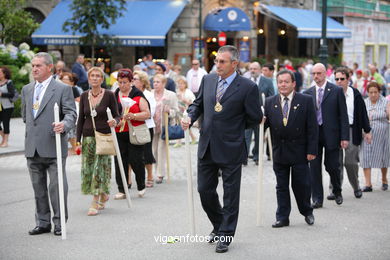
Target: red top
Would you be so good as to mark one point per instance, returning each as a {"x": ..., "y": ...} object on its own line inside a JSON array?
[{"x": 133, "y": 109}]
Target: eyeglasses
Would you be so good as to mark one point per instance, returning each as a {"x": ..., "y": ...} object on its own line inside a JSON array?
[
  {"x": 136, "y": 79},
  {"x": 193, "y": 64},
  {"x": 216, "y": 61},
  {"x": 339, "y": 79}
]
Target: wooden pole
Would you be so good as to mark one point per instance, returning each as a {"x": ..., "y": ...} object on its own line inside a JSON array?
[
  {"x": 189, "y": 178},
  {"x": 119, "y": 158},
  {"x": 259, "y": 208},
  {"x": 60, "y": 175},
  {"x": 167, "y": 145}
]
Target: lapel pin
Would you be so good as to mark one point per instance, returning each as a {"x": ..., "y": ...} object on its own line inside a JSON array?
[
  {"x": 276, "y": 106},
  {"x": 295, "y": 107},
  {"x": 328, "y": 89}
]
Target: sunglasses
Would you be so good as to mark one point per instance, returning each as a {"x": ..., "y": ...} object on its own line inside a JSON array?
[
  {"x": 193, "y": 64},
  {"x": 123, "y": 73},
  {"x": 339, "y": 79}
]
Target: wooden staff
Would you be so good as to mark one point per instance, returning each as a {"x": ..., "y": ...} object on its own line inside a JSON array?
[
  {"x": 189, "y": 177},
  {"x": 60, "y": 174},
  {"x": 260, "y": 211},
  {"x": 119, "y": 158},
  {"x": 167, "y": 144}
]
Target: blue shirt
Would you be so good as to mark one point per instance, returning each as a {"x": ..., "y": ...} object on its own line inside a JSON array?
[{"x": 229, "y": 79}]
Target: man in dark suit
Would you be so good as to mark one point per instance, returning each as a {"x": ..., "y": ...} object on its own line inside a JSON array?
[
  {"x": 38, "y": 100},
  {"x": 292, "y": 120},
  {"x": 265, "y": 87},
  {"x": 332, "y": 119},
  {"x": 79, "y": 70},
  {"x": 358, "y": 122},
  {"x": 228, "y": 103}
]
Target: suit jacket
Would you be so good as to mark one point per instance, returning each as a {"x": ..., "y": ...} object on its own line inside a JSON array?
[
  {"x": 334, "y": 115},
  {"x": 80, "y": 72},
  {"x": 39, "y": 135},
  {"x": 360, "y": 118},
  {"x": 266, "y": 87},
  {"x": 291, "y": 143},
  {"x": 224, "y": 131}
]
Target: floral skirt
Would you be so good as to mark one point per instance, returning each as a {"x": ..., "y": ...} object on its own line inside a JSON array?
[{"x": 95, "y": 169}]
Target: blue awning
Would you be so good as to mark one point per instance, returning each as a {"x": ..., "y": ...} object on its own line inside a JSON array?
[
  {"x": 145, "y": 23},
  {"x": 227, "y": 19},
  {"x": 307, "y": 22}
]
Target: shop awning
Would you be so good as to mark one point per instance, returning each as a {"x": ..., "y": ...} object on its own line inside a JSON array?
[
  {"x": 145, "y": 23},
  {"x": 307, "y": 22},
  {"x": 227, "y": 19}
]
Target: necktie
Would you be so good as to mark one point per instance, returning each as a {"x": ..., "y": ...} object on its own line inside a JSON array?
[
  {"x": 285, "y": 111},
  {"x": 37, "y": 93},
  {"x": 319, "y": 102},
  {"x": 221, "y": 89}
]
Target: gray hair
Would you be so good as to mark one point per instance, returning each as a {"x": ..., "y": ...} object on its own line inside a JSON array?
[
  {"x": 235, "y": 56},
  {"x": 47, "y": 58}
]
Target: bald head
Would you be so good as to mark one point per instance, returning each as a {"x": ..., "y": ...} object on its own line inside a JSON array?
[
  {"x": 319, "y": 74},
  {"x": 255, "y": 69}
]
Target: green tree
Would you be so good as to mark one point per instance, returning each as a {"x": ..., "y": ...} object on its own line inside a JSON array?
[
  {"x": 89, "y": 16},
  {"x": 16, "y": 24}
]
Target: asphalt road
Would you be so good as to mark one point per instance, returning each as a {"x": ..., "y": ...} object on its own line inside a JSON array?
[{"x": 358, "y": 229}]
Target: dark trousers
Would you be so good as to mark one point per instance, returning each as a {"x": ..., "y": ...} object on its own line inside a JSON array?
[
  {"x": 224, "y": 219},
  {"x": 133, "y": 155},
  {"x": 5, "y": 117},
  {"x": 40, "y": 168},
  {"x": 300, "y": 183},
  {"x": 332, "y": 166}
]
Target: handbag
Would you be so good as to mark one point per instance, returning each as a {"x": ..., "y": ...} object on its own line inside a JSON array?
[
  {"x": 174, "y": 132},
  {"x": 104, "y": 142},
  {"x": 139, "y": 135}
]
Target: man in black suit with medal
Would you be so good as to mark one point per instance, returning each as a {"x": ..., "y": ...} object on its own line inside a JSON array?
[
  {"x": 292, "y": 120},
  {"x": 229, "y": 103},
  {"x": 332, "y": 119}
]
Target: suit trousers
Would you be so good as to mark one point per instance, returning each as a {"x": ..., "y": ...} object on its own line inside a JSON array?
[
  {"x": 133, "y": 155},
  {"x": 332, "y": 166},
  {"x": 300, "y": 182},
  {"x": 351, "y": 164},
  {"x": 39, "y": 168},
  {"x": 224, "y": 219}
]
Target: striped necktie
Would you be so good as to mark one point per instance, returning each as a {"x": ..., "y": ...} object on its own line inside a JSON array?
[{"x": 221, "y": 88}]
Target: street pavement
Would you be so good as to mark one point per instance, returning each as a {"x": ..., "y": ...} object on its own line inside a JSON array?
[{"x": 358, "y": 229}]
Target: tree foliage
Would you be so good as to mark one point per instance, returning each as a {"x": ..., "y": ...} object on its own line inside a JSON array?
[
  {"x": 16, "y": 24},
  {"x": 91, "y": 15}
]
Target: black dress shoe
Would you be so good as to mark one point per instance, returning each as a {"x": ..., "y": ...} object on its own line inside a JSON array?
[
  {"x": 57, "y": 231},
  {"x": 309, "y": 219},
  {"x": 367, "y": 189},
  {"x": 212, "y": 237},
  {"x": 222, "y": 247},
  {"x": 245, "y": 163},
  {"x": 358, "y": 193},
  {"x": 39, "y": 230},
  {"x": 257, "y": 162},
  {"x": 339, "y": 199},
  {"x": 316, "y": 205},
  {"x": 281, "y": 223},
  {"x": 331, "y": 197}
]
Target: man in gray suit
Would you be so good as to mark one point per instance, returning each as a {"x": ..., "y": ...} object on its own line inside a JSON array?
[
  {"x": 38, "y": 99},
  {"x": 265, "y": 87}
]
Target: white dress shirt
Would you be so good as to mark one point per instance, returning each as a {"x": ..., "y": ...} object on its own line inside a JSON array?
[{"x": 349, "y": 99}]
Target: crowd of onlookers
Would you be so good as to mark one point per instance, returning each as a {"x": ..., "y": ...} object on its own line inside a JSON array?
[{"x": 161, "y": 89}]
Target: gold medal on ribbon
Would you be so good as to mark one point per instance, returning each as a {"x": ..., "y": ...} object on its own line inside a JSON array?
[
  {"x": 36, "y": 106},
  {"x": 218, "y": 107},
  {"x": 284, "y": 121}
]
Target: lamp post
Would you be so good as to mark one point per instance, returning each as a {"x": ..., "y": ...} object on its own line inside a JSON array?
[{"x": 323, "y": 45}]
